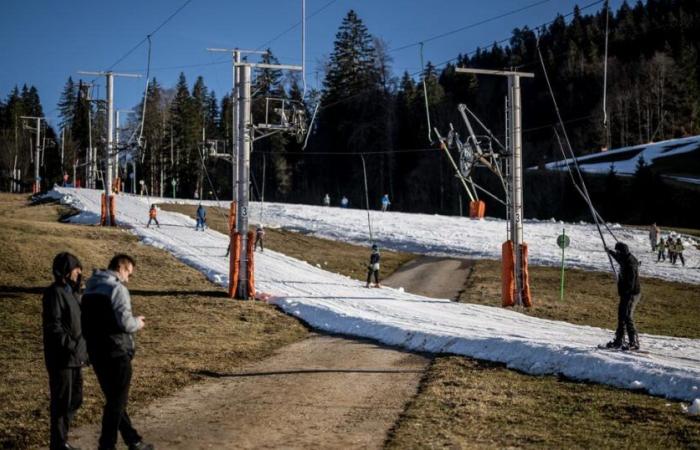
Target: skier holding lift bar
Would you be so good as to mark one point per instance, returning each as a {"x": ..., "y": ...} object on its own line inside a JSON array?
[{"x": 630, "y": 292}]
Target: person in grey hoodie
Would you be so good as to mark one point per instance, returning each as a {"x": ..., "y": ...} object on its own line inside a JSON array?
[
  {"x": 64, "y": 346},
  {"x": 109, "y": 327}
]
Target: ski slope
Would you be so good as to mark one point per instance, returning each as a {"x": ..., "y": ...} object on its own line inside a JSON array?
[
  {"x": 338, "y": 304},
  {"x": 451, "y": 236}
]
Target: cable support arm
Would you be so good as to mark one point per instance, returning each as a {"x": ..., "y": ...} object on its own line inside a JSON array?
[{"x": 443, "y": 145}]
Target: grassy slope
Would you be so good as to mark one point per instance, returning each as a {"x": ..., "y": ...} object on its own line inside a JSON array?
[
  {"x": 191, "y": 326},
  {"x": 464, "y": 403}
]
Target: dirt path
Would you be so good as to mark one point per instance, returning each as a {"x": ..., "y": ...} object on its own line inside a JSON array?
[
  {"x": 432, "y": 276},
  {"x": 325, "y": 392}
]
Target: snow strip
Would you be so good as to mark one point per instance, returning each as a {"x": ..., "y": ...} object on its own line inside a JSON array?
[{"x": 338, "y": 304}]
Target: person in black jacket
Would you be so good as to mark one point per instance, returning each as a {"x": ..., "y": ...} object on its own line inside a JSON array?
[
  {"x": 64, "y": 346},
  {"x": 629, "y": 290},
  {"x": 109, "y": 326},
  {"x": 373, "y": 267}
]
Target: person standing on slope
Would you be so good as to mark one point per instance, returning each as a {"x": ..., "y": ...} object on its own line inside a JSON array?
[
  {"x": 373, "y": 267},
  {"x": 259, "y": 236},
  {"x": 109, "y": 327},
  {"x": 327, "y": 200},
  {"x": 201, "y": 218},
  {"x": 669, "y": 250},
  {"x": 679, "y": 250},
  {"x": 661, "y": 250},
  {"x": 65, "y": 352},
  {"x": 385, "y": 202},
  {"x": 654, "y": 233},
  {"x": 152, "y": 216},
  {"x": 629, "y": 290}
]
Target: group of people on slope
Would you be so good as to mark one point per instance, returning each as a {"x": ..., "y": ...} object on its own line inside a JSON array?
[
  {"x": 95, "y": 328},
  {"x": 671, "y": 248},
  {"x": 345, "y": 203},
  {"x": 201, "y": 217}
]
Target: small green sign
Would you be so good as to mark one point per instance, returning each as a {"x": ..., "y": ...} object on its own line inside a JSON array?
[{"x": 563, "y": 241}]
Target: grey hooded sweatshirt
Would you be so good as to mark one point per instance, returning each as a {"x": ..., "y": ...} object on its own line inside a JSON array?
[{"x": 108, "y": 323}]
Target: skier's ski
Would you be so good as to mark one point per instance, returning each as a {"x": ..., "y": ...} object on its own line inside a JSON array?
[{"x": 622, "y": 350}]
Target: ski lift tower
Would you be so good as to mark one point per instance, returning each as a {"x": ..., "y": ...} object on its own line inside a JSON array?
[
  {"x": 109, "y": 148},
  {"x": 289, "y": 118},
  {"x": 245, "y": 135},
  {"x": 515, "y": 180},
  {"x": 36, "y": 186}
]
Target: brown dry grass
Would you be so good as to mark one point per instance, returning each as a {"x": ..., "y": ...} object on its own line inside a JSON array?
[
  {"x": 666, "y": 307},
  {"x": 464, "y": 403},
  {"x": 339, "y": 257},
  {"x": 191, "y": 326}
]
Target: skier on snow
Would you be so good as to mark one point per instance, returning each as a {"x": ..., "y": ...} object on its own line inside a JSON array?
[
  {"x": 661, "y": 248},
  {"x": 373, "y": 267},
  {"x": 327, "y": 200},
  {"x": 654, "y": 233},
  {"x": 385, "y": 202},
  {"x": 679, "y": 251},
  {"x": 630, "y": 292},
  {"x": 344, "y": 202},
  {"x": 152, "y": 213},
  {"x": 201, "y": 218},
  {"x": 259, "y": 236},
  {"x": 670, "y": 249}
]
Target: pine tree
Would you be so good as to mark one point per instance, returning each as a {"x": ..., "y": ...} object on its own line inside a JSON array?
[{"x": 66, "y": 103}]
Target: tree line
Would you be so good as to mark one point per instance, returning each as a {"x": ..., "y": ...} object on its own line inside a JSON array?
[{"x": 365, "y": 110}]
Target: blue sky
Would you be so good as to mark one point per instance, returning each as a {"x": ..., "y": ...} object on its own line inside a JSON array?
[{"x": 43, "y": 42}]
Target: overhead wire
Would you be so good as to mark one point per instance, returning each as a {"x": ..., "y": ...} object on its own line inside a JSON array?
[
  {"x": 568, "y": 143},
  {"x": 576, "y": 185},
  {"x": 472, "y": 25},
  {"x": 425, "y": 96},
  {"x": 369, "y": 221},
  {"x": 443, "y": 63}
]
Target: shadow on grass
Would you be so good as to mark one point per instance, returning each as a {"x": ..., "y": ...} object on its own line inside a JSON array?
[
  {"x": 212, "y": 374},
  {"x": 14, "y": 290},
  {"x": 174, "y": 293}
]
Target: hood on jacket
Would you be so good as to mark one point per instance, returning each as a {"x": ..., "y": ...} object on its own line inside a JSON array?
[
  {"x": 101, "y": 276},
  {"x": 63, "y": 265},
  {"x": 622, "y": 248}
]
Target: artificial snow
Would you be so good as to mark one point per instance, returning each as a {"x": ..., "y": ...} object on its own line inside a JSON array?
[
  {"x": 461, "y": 237},
  {"x": 338, "y": 304}
]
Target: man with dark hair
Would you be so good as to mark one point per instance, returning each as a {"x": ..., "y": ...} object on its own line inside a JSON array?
[
  {"x": 109, "y": 326},
  {"x": 64, "y": 347},
  {"x": 629, "y": 290}
]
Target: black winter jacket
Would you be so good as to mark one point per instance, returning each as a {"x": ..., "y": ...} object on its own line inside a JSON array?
[
  {"x": 64, "y": 345},
  {"x": 628, "y": 278}
]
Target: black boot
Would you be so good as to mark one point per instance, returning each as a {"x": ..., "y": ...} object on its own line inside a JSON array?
[{"x": 614, "y": 344}]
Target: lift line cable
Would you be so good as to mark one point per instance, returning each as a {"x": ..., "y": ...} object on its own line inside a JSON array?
[
  {"x": 425, "y": 96},
  {"x": 364, "y": 91},
  {"x": 605, "y": 78},
  {"x": 578, "y": 188},
  {"x": 211, "y": 185},
  {"x": 369, "y": 221},
  {"x": 566, "y": 137},
  {"x": 157, "y": 29},
  {"x": 472, "y": 25},
  {"x": 296, "y": 24}
]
